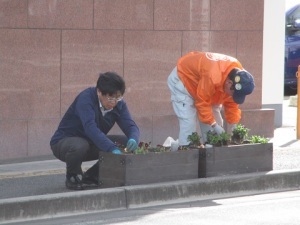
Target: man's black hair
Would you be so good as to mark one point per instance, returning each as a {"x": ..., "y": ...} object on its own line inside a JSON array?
[{"x": 110, "y": 83}]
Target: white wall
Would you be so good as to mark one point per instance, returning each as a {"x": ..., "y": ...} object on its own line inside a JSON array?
[
  {"x": 273, "y": 57},
  {"x": 273, "y": 52}
]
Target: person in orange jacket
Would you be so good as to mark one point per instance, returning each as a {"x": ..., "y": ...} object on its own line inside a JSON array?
[{"x": 201, "y": 85}]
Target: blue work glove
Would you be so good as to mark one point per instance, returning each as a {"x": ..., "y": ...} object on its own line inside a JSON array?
[
  {"x": 218, "y": 129},
  {"x": 117, "y": 152},
  {"x": 131, "y": 145}
]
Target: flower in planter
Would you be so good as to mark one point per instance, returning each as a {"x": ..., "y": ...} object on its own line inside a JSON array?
[
  {"x": 159, "y": 148},
  {"x": 218, "y": 140},
  {"x": 194, "y": 140},
  {"x": 239, "y": 134},
  {"x": 142, "y": 148},
  {"x": 258, "y": 139}
]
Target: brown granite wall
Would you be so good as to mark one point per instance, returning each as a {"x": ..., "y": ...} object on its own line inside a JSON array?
[{"x": 52, "y": 49}]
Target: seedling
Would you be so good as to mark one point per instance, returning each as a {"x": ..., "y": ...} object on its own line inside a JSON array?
[
  {"x": 194, "y": 139},
  {"x": 258, "y": 139},
  {"x": 218, "y": 140},
  {"x": 239, "y": 134}
]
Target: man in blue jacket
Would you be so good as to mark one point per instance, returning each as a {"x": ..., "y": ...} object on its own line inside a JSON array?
[{"x": 82, "y": 132}]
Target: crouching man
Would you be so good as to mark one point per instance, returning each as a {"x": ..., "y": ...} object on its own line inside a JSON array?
[{"x": 83, "y": 130}]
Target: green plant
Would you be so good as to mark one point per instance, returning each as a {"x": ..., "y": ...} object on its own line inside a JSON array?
[
  {"x": 142, "y": 148},
  {"x": 194, "y": 139},
  {"x": 225, "y": 138},
  {"x": 240, "y": 132},
  {"x": 218, "y": 140},
  {"x": 258, "y": 139},
  {"x": 159, "y": 148}
]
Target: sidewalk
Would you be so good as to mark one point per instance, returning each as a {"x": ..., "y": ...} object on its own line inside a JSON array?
[
  {"x": 285, "y": 143},
  {"x": 285, "y": 176}
]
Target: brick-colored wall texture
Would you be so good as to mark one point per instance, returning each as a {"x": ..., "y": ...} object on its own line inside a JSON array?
[{"x": 50, "y": 50}]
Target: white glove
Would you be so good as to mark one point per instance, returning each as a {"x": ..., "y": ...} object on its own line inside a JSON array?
[
  {"x": 218, "y": 129},
  {"x": 231, "y": 127}
]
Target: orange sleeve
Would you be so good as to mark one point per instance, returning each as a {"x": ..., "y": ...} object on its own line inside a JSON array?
[{"x": 232, "y": 112}]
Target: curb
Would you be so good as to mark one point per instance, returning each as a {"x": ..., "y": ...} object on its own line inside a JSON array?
[
  {"x": 216, "y": 187},
  {"x": 56, "y": 205}
]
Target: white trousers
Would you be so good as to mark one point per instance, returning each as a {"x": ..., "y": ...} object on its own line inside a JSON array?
[{"x": 184, "y": 108}]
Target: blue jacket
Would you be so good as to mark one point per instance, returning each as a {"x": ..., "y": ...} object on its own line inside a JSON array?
[{"x": 84, "y": 119}]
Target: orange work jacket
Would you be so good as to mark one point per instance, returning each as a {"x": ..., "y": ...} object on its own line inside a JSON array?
[{"x": 203, "y": 75}]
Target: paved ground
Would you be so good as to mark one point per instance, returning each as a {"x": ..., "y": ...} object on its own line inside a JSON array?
[{"x": 286, "y": 144}]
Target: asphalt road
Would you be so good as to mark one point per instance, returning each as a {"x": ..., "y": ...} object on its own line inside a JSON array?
[{"x": 267, "y": 209}]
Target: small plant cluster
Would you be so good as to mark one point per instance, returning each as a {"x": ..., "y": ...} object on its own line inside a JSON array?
[
  {"x": 258, "y": 139},
  {"x": 194, "y": 140},
  {"x": 239, "y": 136},
  {"x": 143, "y": 148},
  {"x": 159, "y": 148},
  {"x": 218, "y": 140}
]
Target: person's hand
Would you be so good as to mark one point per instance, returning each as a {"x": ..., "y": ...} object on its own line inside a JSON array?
[
  {"x": 117, "y": 152},
  {"x": 218, "y": 129},
  {"x": 231, "y": 127},
  {"x": 131, "y": 145}
]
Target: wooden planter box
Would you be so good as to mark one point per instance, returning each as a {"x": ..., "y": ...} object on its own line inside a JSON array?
[
  {"x": 235, "y": 159},
  {"x": 129, "y": 169}
]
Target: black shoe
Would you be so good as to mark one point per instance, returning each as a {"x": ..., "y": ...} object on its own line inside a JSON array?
[
  {"x": 89, "y": 180},
  {"x": 74, "y": 182}
]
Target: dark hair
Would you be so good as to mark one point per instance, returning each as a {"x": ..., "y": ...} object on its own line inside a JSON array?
[{"x": 110, "y": 83}]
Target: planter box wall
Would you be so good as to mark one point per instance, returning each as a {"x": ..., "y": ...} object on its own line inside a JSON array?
[
  {"x": 129, "y": 169},
  {"x": 235, "y": 159}
]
